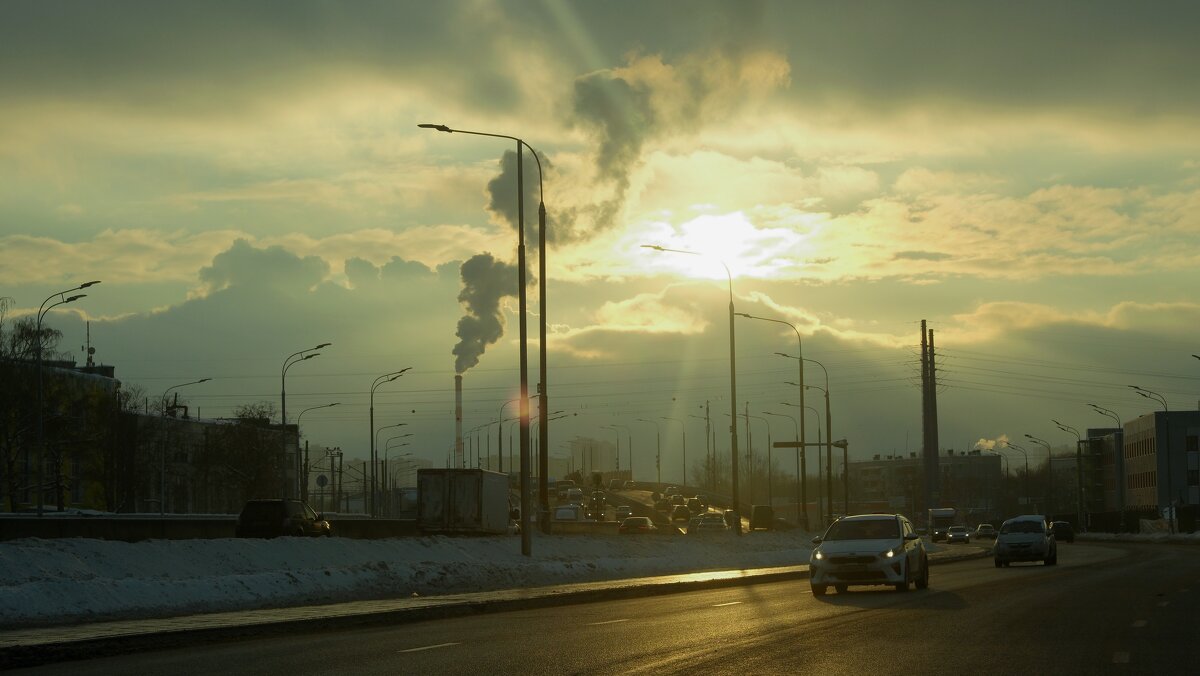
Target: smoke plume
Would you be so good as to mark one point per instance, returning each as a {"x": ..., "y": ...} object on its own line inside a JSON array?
[{"x": 485, "y": 282}]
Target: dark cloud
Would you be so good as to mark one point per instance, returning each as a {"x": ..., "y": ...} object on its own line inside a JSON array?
[
  {"x": 274, "y": 267},
  {"x": 485, "y": 282}
]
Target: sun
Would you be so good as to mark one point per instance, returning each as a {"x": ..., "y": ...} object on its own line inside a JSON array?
[{"x": 734, "y": 240}]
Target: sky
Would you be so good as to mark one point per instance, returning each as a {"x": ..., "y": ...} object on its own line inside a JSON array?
[{"x": 248, "y": 180}]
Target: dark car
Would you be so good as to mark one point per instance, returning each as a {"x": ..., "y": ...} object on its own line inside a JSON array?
[
  {"x": 1063, "y": 531},
  {"x": 693, "y": 504},
  {"x": 762, "y": 517},
  {"x": 681, "y": 513},
  {"x": 275, "y": 518},
  {"x": 635, "y": 525}
]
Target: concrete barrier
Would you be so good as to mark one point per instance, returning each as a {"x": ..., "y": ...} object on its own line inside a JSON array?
[{"x": 137, "y": 528}]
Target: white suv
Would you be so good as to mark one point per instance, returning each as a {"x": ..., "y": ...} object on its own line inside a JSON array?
[
  {"x": 869, "y": 549},
  {"x": 1025, "y": 538}
]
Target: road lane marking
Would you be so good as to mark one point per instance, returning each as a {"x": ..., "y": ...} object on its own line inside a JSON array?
[
  {"x": 1138, "y": 624},
  {"x": 722, "y": 605},
  {"x": 1120, "y": 658},
  {"x": 596, "y": 624},
  {"x": 429, "y": 647}
]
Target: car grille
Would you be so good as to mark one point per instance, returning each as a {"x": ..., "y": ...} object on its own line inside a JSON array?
[
  {"x": 859, "y": 575},
  {"x": 844, "y": 560}
]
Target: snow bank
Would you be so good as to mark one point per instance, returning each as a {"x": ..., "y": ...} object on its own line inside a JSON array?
[{"x": 79, "y": 580}]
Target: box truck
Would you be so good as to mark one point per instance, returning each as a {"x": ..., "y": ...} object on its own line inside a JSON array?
[{"x": 462, "y": 501}]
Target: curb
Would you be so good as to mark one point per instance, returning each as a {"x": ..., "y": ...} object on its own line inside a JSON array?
[{"x": 63, "y": 650}]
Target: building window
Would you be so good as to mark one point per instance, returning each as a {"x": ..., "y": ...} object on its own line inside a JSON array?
[
  {"x": 1193, "y": 443},
  {"x": 1193, "y": 477}
]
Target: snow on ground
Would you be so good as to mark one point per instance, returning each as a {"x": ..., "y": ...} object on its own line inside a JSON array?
[{"x": 82, "y": 580}]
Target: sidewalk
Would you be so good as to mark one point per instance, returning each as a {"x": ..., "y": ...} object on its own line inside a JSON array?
[{"x": 29, "y": 647}]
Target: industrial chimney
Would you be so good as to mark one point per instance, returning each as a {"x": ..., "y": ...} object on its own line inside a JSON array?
[{"x": 458, "y": 440}]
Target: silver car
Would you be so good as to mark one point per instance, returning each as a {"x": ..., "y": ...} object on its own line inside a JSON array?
[
  {"x": 1025, "y": 538},
  {"x": 869, "y": 549}
]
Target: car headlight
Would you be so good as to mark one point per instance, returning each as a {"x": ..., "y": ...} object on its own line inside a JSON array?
[
  {"x": 890, "y": 553},
  {"x": 818, "y": 555}
]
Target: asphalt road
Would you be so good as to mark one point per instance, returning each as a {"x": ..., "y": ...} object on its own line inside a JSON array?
[{"x": 1119, "y": 609}]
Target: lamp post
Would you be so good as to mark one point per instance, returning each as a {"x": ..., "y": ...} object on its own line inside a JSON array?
[
  {"x": 304, "y": 482},
  {"x": 543, "y": 460},
  {"x": 658, "y": 447},
  {"x": 291, "y": 360},
  {"x": 1079, "y": 499},
  {"x": 708, "y": 454},
  {"x": 804, "y": 464},
  {"x": 387, "y": 491},
  {"x": 628, "y": 447},
  {"x": 162, "y": 457},
  {"x": 1049, "y": 472},
  {"x": 733, "y": 413},
  {"x": 1156, "y": 397},
  {"x": 617, "y": 436},
  {"x": 385, "y": 378},
  {"x": 1009, "y": 444},
  {"x": 796, "y": 431},
  {"x": 828, "y": 436},
  {"x": 500, "y": 434},
  {"x": 1120, "y": 451},
  {"x": 63, "y": 299},
  {"x": 770, "y": 494},
  {"x": 164, "y": 406},
  {"x": 799, "y": 361},
  {"x": 683, "y": 431}
]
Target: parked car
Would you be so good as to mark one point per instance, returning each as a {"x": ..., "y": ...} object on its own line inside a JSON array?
[
  {"x": 274, "y": 518},
  {"x": 1063, "y": 531},
  {"x": 636, "y": 524},
  {"x": 623, "y": 512},
  {"x": 680, "y": 513},
  {"x": 868, "y": 549},
  {"x": 958, "y": 534},
  {"x": 1025, "y": 538},
  {"x": 985, "y": 531}
]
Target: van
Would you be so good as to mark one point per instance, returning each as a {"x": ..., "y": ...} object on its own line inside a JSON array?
[{"x": 762, "y": 517}]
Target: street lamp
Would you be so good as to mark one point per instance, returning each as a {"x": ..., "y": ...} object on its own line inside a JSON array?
[
  {"x": 291, "y": 360},
  {"x": 1156, "y": 397},
  {"x": 617, "y": 436},
  {"x": 164, "y": 405},
  {"x": 658, "y": 446},
  {"x": 63, "y": 299},
  {"x": 629, "y": 447},
  {"x": 733, "y": 445},
  {"x": 799, "y": 362},
  {"x": 543, "y": 459},
  {"x": 1049, "y": 471},
  {"x": 1009, "y": 444},
  {"x": 304, "y": 483},
  {"x": 770, "y": 493},
  {"x": 799, "y": 489},
  {"x": 1120, "y": 450},
  {"x": 385, "y": 378},
  {"x": 804, "y": 464},
  {"x": 683, "y": 431},
  {"x": 709, "y": 459},
  {"x": 1078, "y": 470},
  {"x": 828, "y": 436}
]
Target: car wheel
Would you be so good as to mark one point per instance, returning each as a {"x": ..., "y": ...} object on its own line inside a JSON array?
[
  {"x": 997, "y": 562},
  {"x": 1051, "y": 560},
  {"x": 923, "y": 581},
  {"x": 903, "y": 586},
  {"x": 819, "y": 589},
  {"x": 841, "y": 588}
]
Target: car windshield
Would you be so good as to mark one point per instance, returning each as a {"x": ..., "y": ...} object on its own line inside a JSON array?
[
  {"x": 958, "y": 529},
  {"x": 873, "y": 529},
  {"x": 1023, "y": 527},
  {"x": 636, "y": 521}
]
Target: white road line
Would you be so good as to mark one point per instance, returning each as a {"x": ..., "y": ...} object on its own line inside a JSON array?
[
  {"x": 1120, "y": 658},
  {"x": 429, "y": 647},
  {"x": 1138, "y": 624},
  {"x": 722, "y": 605},
  {"x": 596, "y": 624},
  {"x": 1163, "y": 604}
]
